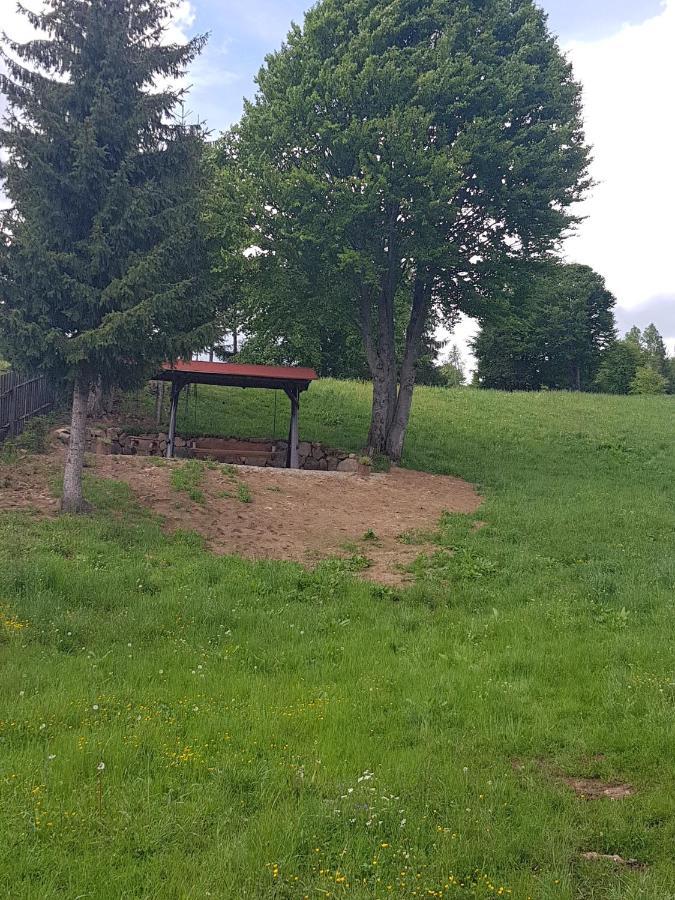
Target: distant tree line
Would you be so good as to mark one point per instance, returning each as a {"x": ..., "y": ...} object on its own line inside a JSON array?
[
  {"x": 553, "y": 328},
  {"x": 638, "y": 364},
  {"x": 562, "y": 336}
]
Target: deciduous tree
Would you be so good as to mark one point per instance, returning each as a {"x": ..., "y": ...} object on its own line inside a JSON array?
[
  {"x": 617, "y": 368},
  {"x": 648, "y": 381},
  {"x": 404, "y": 149},
  {"x": 548, "y": 328}
]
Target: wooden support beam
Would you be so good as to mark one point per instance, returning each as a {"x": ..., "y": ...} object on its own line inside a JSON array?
[{"x": 171, "y": 442}]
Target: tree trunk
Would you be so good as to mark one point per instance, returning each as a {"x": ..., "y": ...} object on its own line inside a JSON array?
[
  {"x": 159, "y": 403},
  {"x": 399, "y": 426},
  {"x": 384, "y": 403},
  {"x": 73, "y": 500},
  {"x": 391, "y": 405},
  {"x": 95, "y": 401},
  {"x": 381, "y": 351},
  {"x": 413, "y": 339}
]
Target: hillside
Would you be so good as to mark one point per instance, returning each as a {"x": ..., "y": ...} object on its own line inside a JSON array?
[{"x": 176, "y": 724}]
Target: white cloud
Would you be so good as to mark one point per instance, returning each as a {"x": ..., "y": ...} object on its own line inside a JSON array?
[
  {"x": 629, "y": 80},
  {"x": 180, "y": 27},
  {"x": 628, "y": 83}
]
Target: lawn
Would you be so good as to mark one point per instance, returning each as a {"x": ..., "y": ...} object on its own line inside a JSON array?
[{"x": 176, "y": 725}]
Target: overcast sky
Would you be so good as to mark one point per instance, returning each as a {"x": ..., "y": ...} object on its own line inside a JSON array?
[{"x": 623, "y": 52}]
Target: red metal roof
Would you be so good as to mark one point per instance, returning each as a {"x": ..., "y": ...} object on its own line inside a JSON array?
[{"x": 241, "y": 371}]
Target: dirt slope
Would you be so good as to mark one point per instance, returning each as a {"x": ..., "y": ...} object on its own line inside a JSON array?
[{"x": 296, "y": 515}]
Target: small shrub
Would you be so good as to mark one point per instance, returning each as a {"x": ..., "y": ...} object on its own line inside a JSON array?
[
  {"x": 8, "y": 452},
  {"x": 35, "y": 435},
  {"x": 380, "y": 463},
  {"x": 356, "y": 563}
]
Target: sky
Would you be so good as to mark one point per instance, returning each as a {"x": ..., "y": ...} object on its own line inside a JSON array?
[{"x": 622, "y": 52}]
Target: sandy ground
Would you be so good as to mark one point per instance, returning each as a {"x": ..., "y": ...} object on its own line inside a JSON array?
[{"x": 294, "y": 515}]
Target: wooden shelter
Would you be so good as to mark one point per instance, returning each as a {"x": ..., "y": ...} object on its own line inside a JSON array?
[{"x": 293, "y": 380}]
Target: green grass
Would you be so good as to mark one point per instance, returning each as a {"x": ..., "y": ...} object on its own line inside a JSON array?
[
  {"x": 244, "y": 494},
  {"x": 273, "y": 733},
  {"x": 188, "y": 478}
]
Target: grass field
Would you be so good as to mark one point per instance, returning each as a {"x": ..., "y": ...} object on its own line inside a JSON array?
[{"x": 175, "y": 725}]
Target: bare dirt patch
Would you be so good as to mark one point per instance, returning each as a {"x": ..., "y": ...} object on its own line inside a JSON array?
[
  {"x": 27, "y": 484},
  {"x": 586, "y": 788},
  {"x": 595, "y": 789},
  {"x": 302, "y": 516}
]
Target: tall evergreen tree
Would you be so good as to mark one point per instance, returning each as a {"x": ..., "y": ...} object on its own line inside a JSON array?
[
  {"x": 101, "y": 259},
  {"x": 626, "y": 366},
  {"x": 655, "y": 351},
  {"x": 407, "y": 148},
  {"x": 453, "y": 369}
]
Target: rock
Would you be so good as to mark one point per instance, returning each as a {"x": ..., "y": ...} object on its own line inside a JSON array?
[
  {"x": 331, "y": 463},
  {"x": 63, "y": 435},
  {"x": 348, "y": 465},
  {"x": 304, "y": 448},
  {"x": 612, "y": 858},
  {"x": 103, "y": 447},
  {"x": 311, "y": 464},
  {"x": 323, "y": 465}
]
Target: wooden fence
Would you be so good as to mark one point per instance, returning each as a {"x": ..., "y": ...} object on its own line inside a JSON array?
[{"x": 21, "y": 398}]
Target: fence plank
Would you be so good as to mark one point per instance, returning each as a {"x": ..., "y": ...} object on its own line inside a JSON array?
[{"x": 21, "y": 398}]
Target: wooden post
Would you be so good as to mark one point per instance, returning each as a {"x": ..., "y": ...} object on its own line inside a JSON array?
[
  {"x": 171, "y": 442},
  {"x": 292, "y": 461}
]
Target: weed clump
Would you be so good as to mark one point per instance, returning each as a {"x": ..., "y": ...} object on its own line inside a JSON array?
[{"x": 188, "y": 479}]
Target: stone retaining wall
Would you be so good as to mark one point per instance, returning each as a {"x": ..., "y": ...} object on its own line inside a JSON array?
[{"x": 250, "y": 451}]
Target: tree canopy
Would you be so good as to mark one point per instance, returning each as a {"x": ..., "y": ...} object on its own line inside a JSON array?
[
  {"x": 402, "y": 153},
  {"x": 548, "y": 328}
]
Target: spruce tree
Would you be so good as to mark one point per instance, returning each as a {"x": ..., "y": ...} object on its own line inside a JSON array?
[
  {"x": 655, "y": 351},
  {"x": 101, "y": 257}
]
